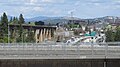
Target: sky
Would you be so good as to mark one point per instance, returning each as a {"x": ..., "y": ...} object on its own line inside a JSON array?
[{"x": 56, "y": 8}]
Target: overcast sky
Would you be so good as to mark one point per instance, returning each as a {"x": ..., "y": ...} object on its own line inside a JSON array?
[{"x": 80, "y": 8}]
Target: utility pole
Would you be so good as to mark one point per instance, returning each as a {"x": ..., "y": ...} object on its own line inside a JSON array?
[
  {"x": 72, "y": 18},
  {"x": 105, "y": 62},
  {"x": 114, "y": 19},
  {"x": 71, "y": 14}
]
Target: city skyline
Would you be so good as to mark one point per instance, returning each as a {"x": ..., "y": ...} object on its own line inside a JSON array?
[{"x": 55, "y": 8}]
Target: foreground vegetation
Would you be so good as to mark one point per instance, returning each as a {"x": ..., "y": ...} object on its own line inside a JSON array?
[
  {"x": 113, "y": 35},
  {"x": 18, "y": 35}
]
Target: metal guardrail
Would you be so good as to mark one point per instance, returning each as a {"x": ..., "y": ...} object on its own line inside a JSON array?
[{"x": 81, "y": 43}]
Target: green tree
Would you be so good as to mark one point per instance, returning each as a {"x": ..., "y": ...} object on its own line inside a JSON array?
[
  {"x": 49, "y": 24},
  {"x": 21, "y": 19},
  {"x": 4, "y": 23},
  {"x": 11, "y": 20},
  {"x": 109, "y": 36},
  {"x": 15, "y": 20},
  {"x": 30, "y": 37},
  {"x": 76, "y": 32},
  {"x": 4, "y": 29},
  {"x": 13, "y": 33},
  {"x": 20, "y": 22},
  {"x": 80, "y": 26},
  {"x": 117, "y": 34}
]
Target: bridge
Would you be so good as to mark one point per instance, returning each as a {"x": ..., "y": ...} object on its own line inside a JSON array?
[
  {"x": 41, "y": 32},
  {"x": 44, "y": 51}
]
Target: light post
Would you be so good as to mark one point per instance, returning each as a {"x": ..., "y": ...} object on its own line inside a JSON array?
[
  {"x": 105, "y": 63},
  {"x": 22, "y": 38},
  {"x": 8, "y": 33},
  {"x": 106, "y": 49}
]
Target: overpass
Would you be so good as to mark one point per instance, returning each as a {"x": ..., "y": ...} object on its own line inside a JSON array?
[{"x": 41, "y": 32}]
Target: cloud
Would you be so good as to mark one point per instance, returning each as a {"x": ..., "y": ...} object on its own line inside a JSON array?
[
  {"x": 24, "y": 9},
  {"x": 73, "y": 10},
  {"x": 84, "y": 8},
  {"x": 33, "y": 1},
  {"x": 0, "y": 14},
  {"x": 53, "y": 1},
  {"x": 116, "y": 2},
  {"x": 39, "y": 9},
  {"x": 26, "y": 4},
  {"x": 30, "y": 3},
  {"x": 29, "y": 10},
  {"x": 47, "y": 0},
  {"x": 89, "y": 2}
]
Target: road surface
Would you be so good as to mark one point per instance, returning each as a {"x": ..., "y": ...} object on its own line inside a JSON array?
[{"x": 59, "y": 52}]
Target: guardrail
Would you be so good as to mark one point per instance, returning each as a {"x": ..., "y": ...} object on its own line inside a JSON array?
[{"x": 81, "y": 43}]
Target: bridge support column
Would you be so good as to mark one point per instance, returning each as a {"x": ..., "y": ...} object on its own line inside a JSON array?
[
  {"x": 49, "y": 35},
  {"x": 14, "y": 35},
  {"x": 37, "y": 35},
  {"x": 41, "y": 36},
  {"x": 46, "y": 34}
]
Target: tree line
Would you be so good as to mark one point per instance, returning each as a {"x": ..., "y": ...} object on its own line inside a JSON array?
[
  {"x": 18, "y": 35},
  {"x": 113, "y": 35}
]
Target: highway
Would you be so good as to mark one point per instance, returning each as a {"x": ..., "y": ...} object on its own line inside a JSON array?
[{"x": 59, "y": 52}]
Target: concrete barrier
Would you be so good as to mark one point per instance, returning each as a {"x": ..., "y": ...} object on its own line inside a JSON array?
[{"x": 60, "y": 63}]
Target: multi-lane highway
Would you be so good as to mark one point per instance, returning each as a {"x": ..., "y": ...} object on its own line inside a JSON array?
[{"x": 58, "y": 52}]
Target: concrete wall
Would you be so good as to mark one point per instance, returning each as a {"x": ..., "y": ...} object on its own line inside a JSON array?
[{"x": 59, "y": 63}]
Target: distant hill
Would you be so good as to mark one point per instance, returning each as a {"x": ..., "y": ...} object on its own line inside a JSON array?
[
  {"x": 109, "y": 19},
  {"x": 54, "y": 20},
  {"x": 60, "y": 20},
  {"x": 39, "y": 18}
]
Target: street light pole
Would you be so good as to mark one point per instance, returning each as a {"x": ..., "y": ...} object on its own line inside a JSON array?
[
  {"x": 8, "y": 33},
  {"x": 105, "y": 63}
]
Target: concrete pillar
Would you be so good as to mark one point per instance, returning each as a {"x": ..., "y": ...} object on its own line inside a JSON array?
[
  {"x": 53, "y": 33},
  {"x": 14, "y": 35},
  {"x": 41, "y": 36},
  {"x": 44, "y": 33},
  {"x": 36, "y": 35},
  {"x": 49, "y": 35}
]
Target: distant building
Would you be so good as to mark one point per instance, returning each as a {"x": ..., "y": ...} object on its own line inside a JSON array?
[
  {"x": 93, "y": 33},
  {"x": 61, "y": 34}
]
